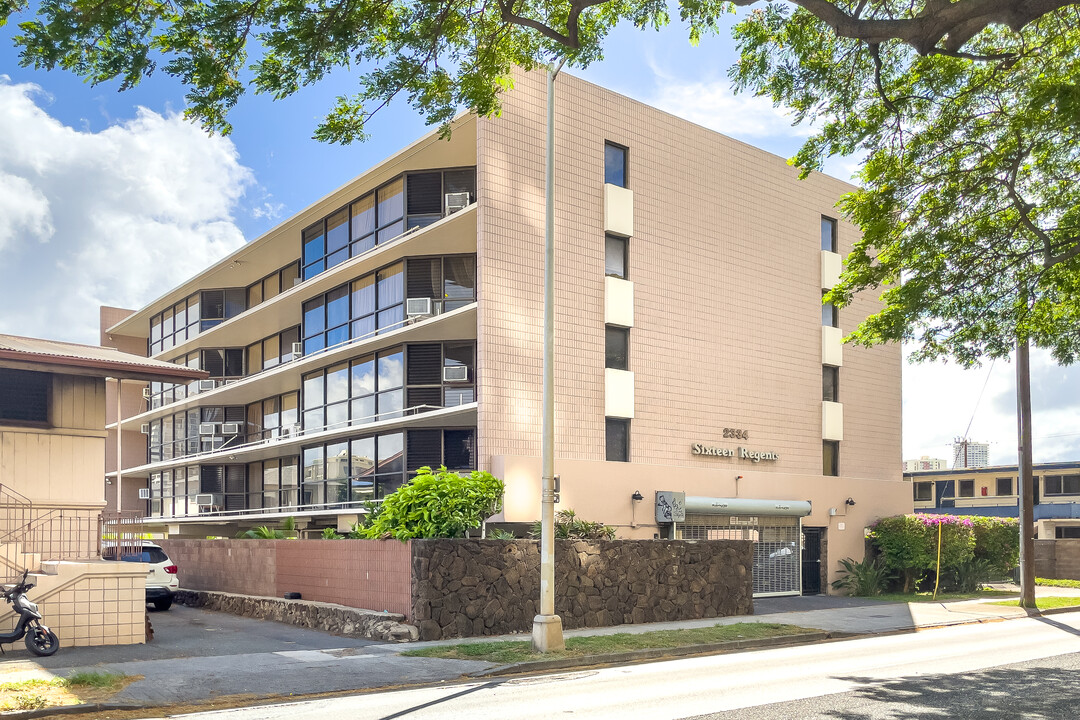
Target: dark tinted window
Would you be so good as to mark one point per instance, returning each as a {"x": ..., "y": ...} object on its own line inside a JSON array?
[
  {"x": 614, "y": 165},
  {"x": 618, "y": 440},
  {"x": 24, "y": 396},
  {"x": 967, "y": 488},
  {"x": 924, "y": 491},
  {"x": 828, "y": 234},
  {"x": 616, "y": 349},
  {"x": 830, "y": 458},
  {"x": 1004, "y": 486},
  {"x": 615, "y": 256},
  {"x": 830, "y": 383}
]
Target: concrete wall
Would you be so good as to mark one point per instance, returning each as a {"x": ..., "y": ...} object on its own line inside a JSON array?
[
  {"x": 468, "y": 588},
  {"x": 1058, "y": 559},
  {"x": 725, "y": 262},
  {"x": 370, "y": 574}
]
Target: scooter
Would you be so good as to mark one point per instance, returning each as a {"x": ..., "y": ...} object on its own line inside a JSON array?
[{"x": 40, "y": 640}]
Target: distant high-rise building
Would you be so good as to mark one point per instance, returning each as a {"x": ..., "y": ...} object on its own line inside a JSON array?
[
  {"x": 969, "y": 454},
  {"x": 925, "y": 463}
]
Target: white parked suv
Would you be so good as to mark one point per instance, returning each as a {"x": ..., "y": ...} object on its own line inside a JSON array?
[{"x": 161, "y": 580}]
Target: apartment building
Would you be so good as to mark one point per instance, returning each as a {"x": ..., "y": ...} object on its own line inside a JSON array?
[{"x": 702, "y": 389}]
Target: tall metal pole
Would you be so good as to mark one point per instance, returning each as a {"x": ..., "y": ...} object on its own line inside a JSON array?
[
  {"x": 547, "y": 632},
  {"x": 1027, "y": 489},
  {"x": 119, "y": 446}
]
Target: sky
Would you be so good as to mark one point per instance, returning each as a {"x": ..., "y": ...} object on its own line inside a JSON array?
[{"x": 98, "y": 189}]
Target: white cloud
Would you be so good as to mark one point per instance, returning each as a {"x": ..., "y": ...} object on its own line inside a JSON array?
[
  {"x": 714, "y": 105},
  {"x": 106, "y": 218},
  {"x": 940, "y": 400}
]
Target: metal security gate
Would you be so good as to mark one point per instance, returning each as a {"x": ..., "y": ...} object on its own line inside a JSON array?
[{"x": 777, "y": 550}]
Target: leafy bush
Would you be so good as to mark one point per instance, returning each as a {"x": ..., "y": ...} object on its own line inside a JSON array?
[
  {"x": 329, "y": 533},
  {"x": 968, "y": 576},
  {"x": 997, "y": 543},
  {"x": 862, "y": 579},
  {"x": 499, "y": 534},
  {"x": 909, "y": 543},
  {"x": 263, "y": 532},
  {"x": 435, "y": 504},
  {"x": 569, "y": 527}
]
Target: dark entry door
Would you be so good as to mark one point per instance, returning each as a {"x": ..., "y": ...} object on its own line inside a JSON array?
[{"x": 811, "y": 560}]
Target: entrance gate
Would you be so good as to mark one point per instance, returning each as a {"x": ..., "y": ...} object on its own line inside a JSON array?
[{"x": 777, "y": 551}]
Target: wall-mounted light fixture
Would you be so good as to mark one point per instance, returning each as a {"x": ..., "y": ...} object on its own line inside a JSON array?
[
  {"x": 849, "y": 502},
  {"x": 637, "y": 495}
]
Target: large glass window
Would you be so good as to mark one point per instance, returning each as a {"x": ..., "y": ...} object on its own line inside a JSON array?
[
  {"x": 1004, "y": 486},
  {"x": 1061, "y": 485},
  {"x": 356, "y": 310},
  {"x": 412, "y": 200},
  {"x": 830, "y": 316},
  {"x": 617, "y": 431},
  {"x": 615, "y": 256},
  {"x": 272, "y": 285},
  {"x": 830, "y": 383},
  {"x": 924, "y": 491},
  {"x": 273, "y": 417},
  {"x": 24, "y": 396},
  {"x": 364, "y": 390},
  {"x": 615, "y": 164},
  {"x": 353, "y": 470},
  {"x": 617, "y": 347}
]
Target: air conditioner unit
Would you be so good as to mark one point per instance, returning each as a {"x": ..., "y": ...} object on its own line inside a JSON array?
[
  {"x": 455, "y": 373},
  {"x": 145, "y": 428},
  {"x": 146, "y": 393},
  {"x": 207, "y": 385},
  {"x": 456, "y": 201},
  {"x": 207, "y": 428},
  {"x": 230, "y": 428},
  {"x": 298, "y": 350},
  {"x": 230, "y": 382},
  {"x": 144, "y": 493},
  {"x": 418, "y": 307},
  {"x": 209, "y": 501},
  {"x": 290, "y": 430}
]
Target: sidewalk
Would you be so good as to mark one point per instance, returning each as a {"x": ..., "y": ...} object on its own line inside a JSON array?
[{"x": 279, "y": 674}]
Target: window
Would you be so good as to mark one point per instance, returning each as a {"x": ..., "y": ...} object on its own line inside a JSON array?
[
  {"x": 830, "y": 458},
  {"x": 272, "y": 285},
  {"x": 614, "y": 164},
  {"x": 366, "y": 389},
  {"x": 351, "y": 311},
  {"x": 617, "y": 432},
  {"x": 828, "y": 234},
  {"x": 615, "y": 256},
  {"x": 616, "y": 351},
  {"x": 1062, "y": 533},
  {"x": 270, "y": 417},
  {"x": 24, "y": 396},
  {"x": 412, "y": 200},
  {"x": 272, "y": 351},
  {"x": 967, "y": 488},
  {"x": 440, "y": 375},
  {"x": 1061, "y": 485},
  {"x": 830, "y": 316},
  {"x": 449, "y": 282},
  {"x": 924, "y": 491},
  {"x": 223, "y": 363},
  {"x": 1005, "y": 486},
  {"x": 830, "y": 383},
  {"x": 353, "y": 470}
]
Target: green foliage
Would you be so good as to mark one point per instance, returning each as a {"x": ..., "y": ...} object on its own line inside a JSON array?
[
  {"x": 908, "y": 544},
  {"x": 499, "y": 534},
  {"x": 1058, "y": 583},
  {"x": 436, "y": 504},
  {"x": 866, "y": 578},
  {"x": 287, "y": 530},
  {"x": 997, "y": 543},
  {"x": 967, "y": 577},
  {"x": 568, "y": 526},
  {"x": 329, "y": 533},
  {"x": 969, "y": 207}
]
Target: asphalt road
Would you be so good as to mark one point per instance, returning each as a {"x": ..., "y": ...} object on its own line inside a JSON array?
[{"x": 942, "y": 673}]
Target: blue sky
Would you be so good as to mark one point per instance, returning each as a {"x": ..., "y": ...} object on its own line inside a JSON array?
[{"x": 97, "y": 189}]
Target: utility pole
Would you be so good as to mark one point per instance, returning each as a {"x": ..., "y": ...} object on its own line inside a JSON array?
[
  {"x": 1027, "y": 489},
  {"x": 547, "y": 634}
]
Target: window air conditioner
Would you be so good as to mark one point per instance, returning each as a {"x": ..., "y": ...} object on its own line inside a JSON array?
[
  {"x": 145, "y": 428},
  {"x": 146, "y": 393},
  {"x": 209, "y": 501},
  {"x": 144, "y": 493},
  {"x": 207, "y": 385},
  {"x": 207, "y": 428},
  {"x": 455, "y": 373},
  {"x": 418, "y": 307},
  {"x": 456, "y": 201},
  {"x": 230, "y": 382},
  {"x": 230, "y": 428},
  {"x": 297, "y": 350}
]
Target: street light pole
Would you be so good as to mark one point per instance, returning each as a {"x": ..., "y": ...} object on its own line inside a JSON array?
[{"x": 547, "y": 632}]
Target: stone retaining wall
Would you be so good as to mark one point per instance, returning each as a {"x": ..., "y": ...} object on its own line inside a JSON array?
[
  {"x": 465, "y": 588},
  {"x": 327, "y": 617},
  {"x": 1058, "y": 559}
]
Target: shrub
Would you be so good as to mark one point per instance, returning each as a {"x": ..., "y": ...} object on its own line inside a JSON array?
[
  {"x": 862, "y": 579},
  {"x": 967, "y": 577},
  {"x": 997, "y": 543},
  {"x": 568, "y": 526},
  {"x": 435, "y": 504},
  {"x": 499, "y": 534},
  {"x": 909, "y": 543}
]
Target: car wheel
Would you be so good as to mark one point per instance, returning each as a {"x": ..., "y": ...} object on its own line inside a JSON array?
[{"x": 163, "y": 603}]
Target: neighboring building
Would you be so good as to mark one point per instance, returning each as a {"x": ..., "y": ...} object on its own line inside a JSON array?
[
  {"x": 397, "y": 323},
  {"x": 925, "y": 463},
  {"x": 52, "y": 456},
  {"x": 969, "y": 454},
  {"x": 993, "y": 491}
]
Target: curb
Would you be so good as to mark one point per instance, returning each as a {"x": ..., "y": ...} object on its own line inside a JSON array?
[
  {"x": 69, "y": 710},
  {"x": 654, "y": 653}
]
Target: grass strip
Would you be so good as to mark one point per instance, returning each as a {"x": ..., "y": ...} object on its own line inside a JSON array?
[
  {"x": 1044, "y": 603},
  {"x": 920, "y": 597},
  {"x": 1058, "y": 583},
  {"x": 502, "y": 651}
]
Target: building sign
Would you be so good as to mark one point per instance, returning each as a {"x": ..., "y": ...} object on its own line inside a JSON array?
[
  {"x": 670, "y": 506},
  {"x": 739, "y": 452}
]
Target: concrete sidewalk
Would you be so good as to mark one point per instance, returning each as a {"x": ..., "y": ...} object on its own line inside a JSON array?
[{"x": 332, "y": 664}]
